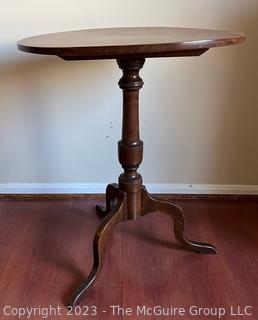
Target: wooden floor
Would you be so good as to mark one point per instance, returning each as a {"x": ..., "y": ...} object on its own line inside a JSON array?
[{"x": 46, "y": 251}]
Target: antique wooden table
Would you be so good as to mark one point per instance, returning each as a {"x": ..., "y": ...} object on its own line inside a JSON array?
[{"x": 129, "y": 199}]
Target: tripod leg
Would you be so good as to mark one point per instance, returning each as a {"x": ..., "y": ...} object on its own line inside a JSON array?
[
  {"x": 149, "y": 204},
  {"x": 117, "y": 214},
  {"x": 111, "y": 195}
]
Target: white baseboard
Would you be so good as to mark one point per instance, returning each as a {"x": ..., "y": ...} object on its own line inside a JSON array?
[{"x": 93, "y": 188}]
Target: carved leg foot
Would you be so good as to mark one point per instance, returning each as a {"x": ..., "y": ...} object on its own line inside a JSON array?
[
  {"x": 150, "y": 204},
  {"x": 112, "y": 192},
  {"x": 117, "y": 214}
]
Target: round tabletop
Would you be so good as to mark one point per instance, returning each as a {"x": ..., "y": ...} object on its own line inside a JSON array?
[{"x": 114, "y": 43}]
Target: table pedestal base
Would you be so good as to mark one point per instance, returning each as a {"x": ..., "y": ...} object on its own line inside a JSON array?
[
  {"x": 129, "y": 200},
  {"x": 115, "y": 212}
]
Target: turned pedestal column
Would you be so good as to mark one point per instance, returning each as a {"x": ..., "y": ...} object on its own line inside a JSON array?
[{"x": 129, "y": 200}]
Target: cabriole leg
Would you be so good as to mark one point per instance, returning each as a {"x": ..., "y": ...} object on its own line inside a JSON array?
[
  {"x": 112, "y": 192},
  {"x": 108, "y": 223},
  {"x": 149, "y": 204}
]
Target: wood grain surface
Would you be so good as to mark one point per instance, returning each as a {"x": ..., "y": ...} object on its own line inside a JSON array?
[{"x": 113, "y": 43}]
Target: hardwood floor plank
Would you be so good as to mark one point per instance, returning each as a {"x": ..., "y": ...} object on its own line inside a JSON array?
[
  {"x": 152, "y": 265},
  {"x": 186, "y": 278},
  {"x": 242, "y": 218},
  {"x": 46, "y": 251},
  {"x": 48, "y": 245}
]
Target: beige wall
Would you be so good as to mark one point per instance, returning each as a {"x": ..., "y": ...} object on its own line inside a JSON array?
[{"x": 60, "y": 121}]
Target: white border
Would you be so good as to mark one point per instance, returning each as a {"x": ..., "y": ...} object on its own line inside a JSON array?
[{"x": 94, "y": 188}]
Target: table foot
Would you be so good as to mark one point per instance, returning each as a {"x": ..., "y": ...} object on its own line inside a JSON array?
[
  {"x": 116, "y": 215},
  {"x": 112, "y": 192},
  {"x": 150, "y": 204}
]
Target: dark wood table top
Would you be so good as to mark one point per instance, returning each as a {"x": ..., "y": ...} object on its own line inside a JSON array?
[{"x": 113, "y": 43}]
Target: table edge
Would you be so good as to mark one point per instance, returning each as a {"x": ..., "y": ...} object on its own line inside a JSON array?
[{"x": 144, "y": 50}]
